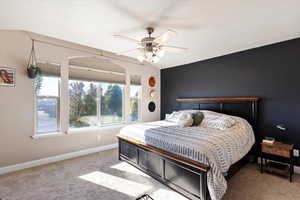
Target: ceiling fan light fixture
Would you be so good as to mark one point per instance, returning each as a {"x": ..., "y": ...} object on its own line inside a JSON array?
[
  {"x": 160, "y": 53},
  {"x": 148, "y": 55},
  {"x": 152, "y": 48},
  {"x": 155, "y": 59}
]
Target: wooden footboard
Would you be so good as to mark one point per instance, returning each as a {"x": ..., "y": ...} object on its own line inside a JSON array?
[{"x": 183, "y": 175}]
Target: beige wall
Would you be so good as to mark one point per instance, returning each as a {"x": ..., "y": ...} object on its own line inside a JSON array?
[{"x": 17, "y": 104}]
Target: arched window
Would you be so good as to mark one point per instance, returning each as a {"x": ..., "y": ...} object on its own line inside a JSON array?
[{"x": 96, "y": 92}]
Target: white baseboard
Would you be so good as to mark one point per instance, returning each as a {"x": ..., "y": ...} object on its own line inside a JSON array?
[
  {"x": 34, "y": 163},
  {"x": 296, "y": 168}
]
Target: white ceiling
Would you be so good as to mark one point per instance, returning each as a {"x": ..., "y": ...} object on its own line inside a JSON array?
[{"x": 209, "y": 28}]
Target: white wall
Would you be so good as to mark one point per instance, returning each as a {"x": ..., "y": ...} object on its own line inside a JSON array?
[{"x": 17, "y": 104}]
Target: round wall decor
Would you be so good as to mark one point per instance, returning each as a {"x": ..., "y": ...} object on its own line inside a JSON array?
[
  {"x": 151, "y": 81},
  {"x": 152, "y": 93},
  {"x": 151, "y": 106}
]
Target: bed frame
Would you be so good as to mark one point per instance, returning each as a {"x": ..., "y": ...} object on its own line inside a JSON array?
[{"x": 184, "y": 175}]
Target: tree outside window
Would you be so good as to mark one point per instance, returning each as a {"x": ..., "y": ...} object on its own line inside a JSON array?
[
  {"x": 135, "y": 102},
  {"x": 95, "y": 104}
]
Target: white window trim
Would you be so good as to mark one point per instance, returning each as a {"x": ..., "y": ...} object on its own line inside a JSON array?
[
  {"x": 83, "y": 130},
  {"x": 62, "y": 102},
  {"x": 127, "y": 99},
  {"x": 64, "y": 97},
  {"x": 47, "y": 135},
  {"x": 92, "y": 129}
]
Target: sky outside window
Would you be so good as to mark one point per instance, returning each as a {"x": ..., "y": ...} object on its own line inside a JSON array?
[{"x": 50, "y": 86}]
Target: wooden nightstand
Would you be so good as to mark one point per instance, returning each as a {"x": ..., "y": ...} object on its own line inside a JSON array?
[{"x": 281, "y": 150}]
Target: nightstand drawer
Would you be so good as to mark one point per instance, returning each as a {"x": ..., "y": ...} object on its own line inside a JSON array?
[{"x": 276, "y": 151}]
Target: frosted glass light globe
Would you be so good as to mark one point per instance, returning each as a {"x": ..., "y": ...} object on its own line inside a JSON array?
[
  {"x": 160, "y": 53},
  {"x": 155, "y": 59}
]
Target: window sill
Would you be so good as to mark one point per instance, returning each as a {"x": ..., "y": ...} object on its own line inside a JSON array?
[
  {"x": 92, "y": 129},
  {"x": 84, "y": 130},
  {"x": 134, "y": 122},
  {"x": 47, "y": 135}
]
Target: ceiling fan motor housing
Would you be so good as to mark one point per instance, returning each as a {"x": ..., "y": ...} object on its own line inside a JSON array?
[
  {"x": 148, "y": 43},
  {"x": 150, "y": 30}
]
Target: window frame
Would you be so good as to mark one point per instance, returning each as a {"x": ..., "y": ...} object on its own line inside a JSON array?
[
  {"x": 58, "y": 117},
  {"x": 63, "y": 104}
]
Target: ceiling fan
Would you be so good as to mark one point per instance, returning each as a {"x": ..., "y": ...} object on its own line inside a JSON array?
[{"x": 151, "y": 48}]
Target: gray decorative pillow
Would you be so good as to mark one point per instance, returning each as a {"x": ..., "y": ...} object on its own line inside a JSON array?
[{"x": 198, "y": 118}]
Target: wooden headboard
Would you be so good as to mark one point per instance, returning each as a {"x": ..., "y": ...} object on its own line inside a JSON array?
[{"x": 245, "y": 107}]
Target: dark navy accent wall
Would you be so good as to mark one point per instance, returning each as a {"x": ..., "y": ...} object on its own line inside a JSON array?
[{"x": 271, "y": 72}]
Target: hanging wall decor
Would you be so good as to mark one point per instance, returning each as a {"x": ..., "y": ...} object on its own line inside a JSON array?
[
  {"x": 33, "y": 71},
  {"x": 151, "y": 81},
  {"x": 151, "y": 106},
  {"x": 152, "y": 93},
  {"x": 7, "y": 76}
]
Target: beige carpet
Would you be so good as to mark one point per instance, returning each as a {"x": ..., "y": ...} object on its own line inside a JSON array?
[{"x": 102, "y": 177}]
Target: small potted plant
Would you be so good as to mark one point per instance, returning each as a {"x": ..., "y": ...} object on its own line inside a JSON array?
[{"x": 33, "y": 71}]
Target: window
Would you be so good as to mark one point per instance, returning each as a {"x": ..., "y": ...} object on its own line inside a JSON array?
[
  {"x": 47, "y": 102},
  {"x": 96, "y": 92},
  {"x": 95, "y": 104},
  {"x": 135, "y": 97},
  {"x": 96, "y": 95}
]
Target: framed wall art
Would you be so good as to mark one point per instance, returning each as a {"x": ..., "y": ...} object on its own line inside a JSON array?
[{"x": 7, "y": 76}]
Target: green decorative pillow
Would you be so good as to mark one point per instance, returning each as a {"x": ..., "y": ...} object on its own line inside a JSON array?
[{"x": 197, "y": 117}]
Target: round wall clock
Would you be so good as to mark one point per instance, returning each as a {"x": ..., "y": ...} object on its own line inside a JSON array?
[
  {"x": 151, "y": 106},
  {"x": 152, "y": 81}
]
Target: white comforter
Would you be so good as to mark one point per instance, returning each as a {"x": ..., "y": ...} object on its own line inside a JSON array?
[{"x": 219, "y": 149}]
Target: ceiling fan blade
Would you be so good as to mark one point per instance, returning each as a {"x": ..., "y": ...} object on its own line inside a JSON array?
[
  {"x": 165, "y": 37},
  {"x": 130, "y": 51},
  {"x": 174, "y": 49},
  {"x": 127, "y": 38}
]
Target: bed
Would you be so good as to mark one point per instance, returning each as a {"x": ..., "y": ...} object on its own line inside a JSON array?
[{"x": 195, "y": 160}]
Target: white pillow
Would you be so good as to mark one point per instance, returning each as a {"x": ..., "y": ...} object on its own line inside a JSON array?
[
  {"x": 185, "y": 119},
  {"x": 173, "y": 117}
]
